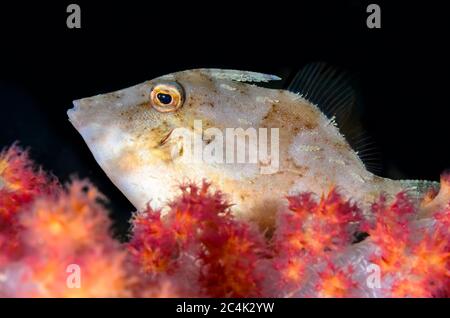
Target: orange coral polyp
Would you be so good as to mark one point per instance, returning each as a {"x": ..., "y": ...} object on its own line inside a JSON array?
[
  {"x": 293, "y": 271},
  {"x": 422, "y": 262}
]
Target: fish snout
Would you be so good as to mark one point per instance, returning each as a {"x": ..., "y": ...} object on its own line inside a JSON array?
[
  {"x": 73, "y": 113},
  {"x": 88, "y": 111}
]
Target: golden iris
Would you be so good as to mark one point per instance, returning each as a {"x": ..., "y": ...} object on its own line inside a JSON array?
[{"x": 167, "y": 97}]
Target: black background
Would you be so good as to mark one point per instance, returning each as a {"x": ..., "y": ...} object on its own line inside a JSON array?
[{"x": 402, "y": 68}]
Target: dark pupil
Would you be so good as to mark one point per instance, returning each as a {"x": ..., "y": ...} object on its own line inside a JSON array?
[{"x": 164, "y": 98}]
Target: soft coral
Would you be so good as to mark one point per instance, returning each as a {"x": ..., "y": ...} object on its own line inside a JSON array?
[
  {"x": 20, "y": 183},
  {"x": 413, "y": 259},
  {"x": 309, "y": 233},
  {"x": 199, "y": 229}
]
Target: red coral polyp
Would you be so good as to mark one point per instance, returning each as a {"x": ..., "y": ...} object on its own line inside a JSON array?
[
  {"x": 153, "y": 243},
  {"x": 416, "y": 262},
  {"x": 20, "y": 181},
  {"x": 73, "y": 218},
  {"x": 317, "y": 226},
  {"x": 231, "y": 257},
  {"x": 309, "y": 232},
  {"x": 335, "y": 283},
  {"x": 199, "y": 227}
]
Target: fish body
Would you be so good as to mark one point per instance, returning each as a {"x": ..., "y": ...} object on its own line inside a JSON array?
[{"x": 130, "y": 132}]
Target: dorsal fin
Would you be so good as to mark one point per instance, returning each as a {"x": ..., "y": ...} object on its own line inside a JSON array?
[
  {"x": 366, "y": 148},
  {"x": 331, "y": 90},
  {"x": 327, "y": 87},
  {"x": 240, "y": 76}
]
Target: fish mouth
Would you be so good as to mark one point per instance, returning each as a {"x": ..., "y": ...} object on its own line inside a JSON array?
[{"x": 72, "y": 114}]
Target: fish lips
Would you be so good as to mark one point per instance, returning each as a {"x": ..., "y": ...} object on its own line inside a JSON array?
[{"x": 73, "y": 112}]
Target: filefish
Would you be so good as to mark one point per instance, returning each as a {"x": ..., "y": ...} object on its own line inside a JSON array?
[{"x": 130, "y": 133}]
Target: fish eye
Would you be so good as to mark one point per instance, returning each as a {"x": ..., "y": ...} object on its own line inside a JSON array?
[
  {"x": 164, "y": 98},
  {"x": 167, "y": 97}
]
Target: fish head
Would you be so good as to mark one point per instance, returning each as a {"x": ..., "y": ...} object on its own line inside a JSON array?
[{"x": 130, "y": 132}]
